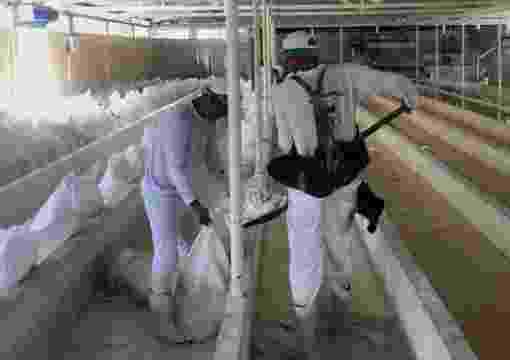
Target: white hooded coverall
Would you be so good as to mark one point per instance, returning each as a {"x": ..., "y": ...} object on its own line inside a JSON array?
[
  {"x": 175, "y": 175},
  {"x": 311, "y": 220}
]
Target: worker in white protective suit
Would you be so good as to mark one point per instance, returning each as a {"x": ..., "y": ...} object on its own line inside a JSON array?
[
  {"x": 320, "y": 231},
  {"x": 175, "y": 178}
]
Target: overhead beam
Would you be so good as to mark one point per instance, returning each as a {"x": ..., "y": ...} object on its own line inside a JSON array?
[
  {"x": 358, "y": 21},
  {"x": 304, "y": 7},
  {"x": 389, "y": 21}
]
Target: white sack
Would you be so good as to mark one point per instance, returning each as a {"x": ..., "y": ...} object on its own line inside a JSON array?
[
  {"x": 74, "y": 200},
  {"x": 118, "y": 180},
  {"x": 18, "y": 252},
  {"x": 134, "y": 156},
  {"x": 114, "y": 190},
  {"x": 203, "y": 286},
  {"x": 121, "y": 168}
]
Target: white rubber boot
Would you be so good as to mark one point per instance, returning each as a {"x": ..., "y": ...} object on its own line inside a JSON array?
[
  {"x": 306, "y": 313},
  {"x": 162, "y": 304}
]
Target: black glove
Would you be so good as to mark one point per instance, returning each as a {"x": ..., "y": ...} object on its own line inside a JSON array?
[
  {"x": 201, "y": 212},
  {"x": 369, "y": 205}
]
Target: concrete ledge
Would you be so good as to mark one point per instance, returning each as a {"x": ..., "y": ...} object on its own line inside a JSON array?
[
  {"x": 38, "y": 315},
  {"x": 432, "y": 331}
]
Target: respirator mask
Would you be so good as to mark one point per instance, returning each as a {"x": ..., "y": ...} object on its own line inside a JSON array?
[{"x": 211, "y": 105}]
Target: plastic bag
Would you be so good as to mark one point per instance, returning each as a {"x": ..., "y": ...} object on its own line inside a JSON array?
[
  {"x": 18, "y": 253},
  {"x": 203, "y": 286},
  {"x": 134, "y": 156},
  {"x": 113, "y": 187},
  {"x": 121, "y": 168}
]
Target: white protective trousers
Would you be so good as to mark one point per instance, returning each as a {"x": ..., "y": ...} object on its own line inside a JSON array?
[
  {"x": 163, "y": 212},
  {"x": 321, "y": 235}
]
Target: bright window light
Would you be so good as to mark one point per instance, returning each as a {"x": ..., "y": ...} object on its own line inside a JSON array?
[
  {"x": 119, "y": 29},
  {"x": 172, "y": 33},
  {"x": 61, "y": 25},
  {"x": 217, "y": 33},
  {"x": 140, "y": 33},
  {"x": 5, "y": 18},
  {"x": 88, "y": 26},
  {"x": 32, "y": 65}
]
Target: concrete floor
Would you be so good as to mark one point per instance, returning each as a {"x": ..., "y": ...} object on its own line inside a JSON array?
[{"x": 117, "y": 329}]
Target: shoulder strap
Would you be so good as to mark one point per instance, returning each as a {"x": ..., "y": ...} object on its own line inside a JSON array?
[
  {"x": 320, "y": 80},
  {"x": 304, "y": 85},
  {"x": 323, "y": 128}
]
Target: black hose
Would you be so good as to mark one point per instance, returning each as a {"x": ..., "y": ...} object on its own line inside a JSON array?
[{"x": 404, "y": 108}]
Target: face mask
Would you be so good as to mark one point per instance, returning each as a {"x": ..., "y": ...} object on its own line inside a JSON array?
[{"x": 210, "y": 105}]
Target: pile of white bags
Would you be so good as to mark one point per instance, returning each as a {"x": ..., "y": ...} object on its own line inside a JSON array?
[
  {"x": 122, "y": 175},
  {"x": 135, "y": 156},
  {"x": 151, "y": 97}
]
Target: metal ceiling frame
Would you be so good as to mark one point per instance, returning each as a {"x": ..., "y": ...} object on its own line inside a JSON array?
[
  {"x": 302, "y": 7},
  {"x": 391, "y": 21},
  {"x": 363, "y": 21},
  {"x": 183, "y": 14}
]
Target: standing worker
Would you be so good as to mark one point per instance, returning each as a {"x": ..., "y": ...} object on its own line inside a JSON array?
[
  {"x": 174, "y": 148},
  {"x": 317, "y": 223}
]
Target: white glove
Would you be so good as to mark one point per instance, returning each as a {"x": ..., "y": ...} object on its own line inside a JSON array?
[{"x": 409, "y": 92}]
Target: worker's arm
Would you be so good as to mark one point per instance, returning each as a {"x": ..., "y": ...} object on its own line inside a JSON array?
[
  {"x": 177, "y": 144},
  {"x": 369, "y": 82}
]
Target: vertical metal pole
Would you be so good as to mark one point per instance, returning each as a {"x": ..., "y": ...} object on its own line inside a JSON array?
[
  {"x": 259, "y": 161},
  {"x": 107, "y": 27},
  {"x": 341, "y": 45},
  {"x": 13, "y": 51},
  {"x": 462, "y": 62},
  {"x": 436, "y": 72},
  {"x": 234, "y": 131},
  {"x": 251, "y": 45},
  {"x": 500, "y": 68},
  {"x": 417, "y": 70},
  {"x": 266, "y": 130},
  {"x": 69, "y": 74},
  {"x": 274, "y": 49},
  {"x": 132, "y": 31}
]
